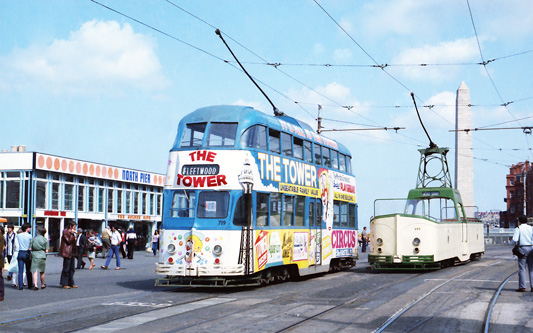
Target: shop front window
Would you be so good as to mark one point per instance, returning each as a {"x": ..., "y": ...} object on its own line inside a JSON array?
[
  {"x": 119, "y": 201},
  {"x": 91, "y": 198},
  {"x": 135, "y": 202},
  {"x": 128, "y": 201},
  {"x": 101, "y": 200},
  {"x": 81, "y": 195},
  {"x": 69, "y": 197},
  {"x": 55, "y": 196},
  {"x": 13, "y": 194},
  {"x": 110, "y": 200},
  {"x": 40, "y": 195}
]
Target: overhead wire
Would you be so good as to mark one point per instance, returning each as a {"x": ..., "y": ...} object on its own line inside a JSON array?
[
  {"x": 265, "y": 61},
  {"x": 487, "y": 71},
  {"x": 382, "y": 66}
]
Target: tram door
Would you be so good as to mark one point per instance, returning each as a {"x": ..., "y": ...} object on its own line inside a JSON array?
[{"x": 315, "y": 225}]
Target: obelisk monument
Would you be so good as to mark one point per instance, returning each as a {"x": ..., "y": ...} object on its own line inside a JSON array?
[{"x": 464, "y": 160}]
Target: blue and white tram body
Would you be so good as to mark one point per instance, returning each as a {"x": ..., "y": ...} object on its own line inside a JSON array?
[{"x": 251, "y": 198}]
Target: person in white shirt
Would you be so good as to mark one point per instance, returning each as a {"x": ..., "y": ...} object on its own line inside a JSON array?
[
  {"x": 523, "y": 236},
  {"x": 116, "y": 239}
]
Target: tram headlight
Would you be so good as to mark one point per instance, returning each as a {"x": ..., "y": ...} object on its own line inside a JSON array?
[
  {"x": 217, "y": 250},
  {"x": 379, "y": 241},
  {"x": 416, "y": 241},
  {"x": 171, "y": 248}
]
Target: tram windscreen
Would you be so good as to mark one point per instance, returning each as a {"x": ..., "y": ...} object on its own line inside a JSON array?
[
  {"x": 213, "y": 204},
  {"x": 222, "y": 135},
  {"x": 193, "y": 135},
  {"x": 183, "y": 204},
  {"x": 437, "y": 209}
]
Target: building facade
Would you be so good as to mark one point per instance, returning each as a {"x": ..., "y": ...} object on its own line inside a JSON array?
[
  {"x": 47, "y": 190},
  {"x": 519, "y": 199}
]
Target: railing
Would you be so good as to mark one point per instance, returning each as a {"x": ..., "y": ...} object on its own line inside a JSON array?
[{"x": 500, "y": 236}]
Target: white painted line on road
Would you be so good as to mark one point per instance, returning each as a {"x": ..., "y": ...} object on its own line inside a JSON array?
[
  {"x": 463, "y": 280},
  {"x": 142, "y": 318}
]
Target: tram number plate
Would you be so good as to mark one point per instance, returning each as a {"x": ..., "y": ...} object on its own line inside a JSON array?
[{"x": 221, "y": 222}]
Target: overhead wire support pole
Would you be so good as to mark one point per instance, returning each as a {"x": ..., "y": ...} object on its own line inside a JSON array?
[{"x": 276, "y": 111}]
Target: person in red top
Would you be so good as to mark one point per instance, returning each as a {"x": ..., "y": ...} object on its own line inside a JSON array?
[{"x": 67, "y": 250}]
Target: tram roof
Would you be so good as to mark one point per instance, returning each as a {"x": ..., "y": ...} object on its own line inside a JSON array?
[{"x": 247, "y": 116}]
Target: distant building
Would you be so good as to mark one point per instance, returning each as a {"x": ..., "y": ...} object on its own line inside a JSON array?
[
  {"x": 519, "y": 194},
  {"x": 47, "y": 190}
]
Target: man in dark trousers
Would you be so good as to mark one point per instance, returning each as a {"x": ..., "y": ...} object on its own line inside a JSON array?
[
  {"x": 131, "y": 238},
  {"x": 67, "y": 250},
  {"x": 364, "y": 238},
  {"x": 81, "y": 244}
]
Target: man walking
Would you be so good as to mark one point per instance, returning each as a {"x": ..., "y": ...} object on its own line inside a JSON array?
[
  {"x": 523, "y": 236},
  {"x": 364, "y": 239},
  {"x": 116, "y": 240},
  {"x": 24, "y": 256},
  {"x": 131, "y": 238},
  {"x": 106, "y": 243},
  {"x": 81, "y": 244},
  {"x": 67, "y": 250}
]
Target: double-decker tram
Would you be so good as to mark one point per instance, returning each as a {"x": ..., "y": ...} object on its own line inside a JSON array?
[{"x": 252, "y": 198}]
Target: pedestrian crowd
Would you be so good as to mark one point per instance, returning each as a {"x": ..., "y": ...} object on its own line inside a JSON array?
[{"x": 25, "y": 255}]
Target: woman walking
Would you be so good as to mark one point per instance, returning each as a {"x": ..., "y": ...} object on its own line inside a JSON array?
[
  {"x": 39, "y": 248},
  {"x": 91, "y": 248},
  {"x": 155, "y": 242}
]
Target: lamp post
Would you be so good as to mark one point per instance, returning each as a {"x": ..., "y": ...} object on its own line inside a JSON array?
[{"x": 246, "y": 179}]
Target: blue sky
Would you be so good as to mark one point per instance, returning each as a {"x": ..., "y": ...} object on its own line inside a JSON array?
[{"x": 82, "y": 81}]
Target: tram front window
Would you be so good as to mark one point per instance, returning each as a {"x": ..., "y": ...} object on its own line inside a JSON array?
[
  {"x": 193, "y": 135},
  {"x": 213, "y": 204},
  {"x": 183, "y": 204},
  {"x": 222, "y": 135}
]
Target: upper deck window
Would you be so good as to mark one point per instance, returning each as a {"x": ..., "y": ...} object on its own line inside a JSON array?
[
  {"x": 335, "y": 159},
  {"x": 308, "y": 151},
  {"x": 348, "y": 164},
  {"x": 326, "y": 159},
  {"x": 318, "y": 154},
  {"x": 286, "y": 142},
  {"x": 193, "y": 135},
  {"x": 342, "y": 162},
  {"x": 255, "y": 137},
  {"x": 222, "y": 135},
  {"x": 274, "y": 141},
  {"x": 298, "y": 148},
  {"x": 213, "y": 204}
]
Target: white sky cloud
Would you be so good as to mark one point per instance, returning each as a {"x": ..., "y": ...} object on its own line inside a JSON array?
[
  {"x": 449, "y": 52},
  {"x": 99, "y": 55}
]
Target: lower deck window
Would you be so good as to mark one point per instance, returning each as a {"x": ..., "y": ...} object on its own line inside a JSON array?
[
  {"x": 183, "y": 204},
  {"x": 213, "y": 204}
]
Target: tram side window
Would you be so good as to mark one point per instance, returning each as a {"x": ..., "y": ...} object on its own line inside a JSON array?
[
  {"x": 308, "y": 151},
  {"x": 193, "y": 135},
  {"x": 326, "y": 160},
  {"x": 344, "y": 214},
  {"x": 261, "y": 209},
  {"x": 318, "y": 154},
  {"x": 300, "y": 211},
  {"x": 274, "y": 141},
  {"x": 240, "y": 218},
  {"x": 288, "y": 210},
  {"x": 286, "y": 144},
  {"x": 213, "y": 204},
  {"x": 335, "y": 159},
  {"x": 298, "y": 148},
  {"x": 255, "y": 137},
  {"x": 312, "y": 212},
  {"x": 348, "y": 164},
  {"x": 222, "y": 135},
  {"x": 336, "y": 214},
  {"x": 275, "y": 210},
  {"x": 351, "y": 216},
  {"x": 342, "y": 162}
]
